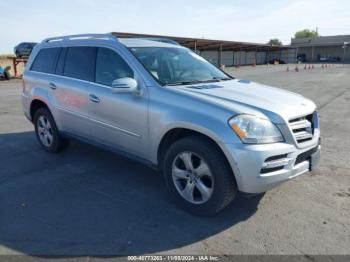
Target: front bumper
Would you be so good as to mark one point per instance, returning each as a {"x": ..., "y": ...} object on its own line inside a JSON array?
[{"x": 258, "y": 168}]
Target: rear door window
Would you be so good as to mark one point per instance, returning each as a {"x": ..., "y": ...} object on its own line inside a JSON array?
[
  {"x": 79, "y": 62},
  {"x": 60, "y": 61},
  {"x": 46, "y": 60},
  {"x": 110, "y": 66}
]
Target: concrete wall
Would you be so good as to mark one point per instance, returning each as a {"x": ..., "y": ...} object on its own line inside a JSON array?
[
  {"x": 240, "y": 58},
  {"x": 261, "y": 58},
  {"x": 227, "y": 58},
  {"x": 211, "y": 56},
  {"x": 230, "y": 58},
  {"x": 250, "y": 57},
  {"x": 288, "y": 56}
]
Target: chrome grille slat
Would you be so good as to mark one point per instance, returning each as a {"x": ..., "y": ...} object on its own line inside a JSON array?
[
  {"x": 302, "y": 128},
  {"x": 302, "y": 135},
  {"x": 300, "y": 124}
]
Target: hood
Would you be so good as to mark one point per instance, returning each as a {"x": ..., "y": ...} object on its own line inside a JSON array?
[{"x": 239, "y": 94}]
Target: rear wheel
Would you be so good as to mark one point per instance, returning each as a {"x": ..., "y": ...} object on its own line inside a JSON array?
[
  {"x": 198, "y": 176},
  {"x": 47, "y": 132}
]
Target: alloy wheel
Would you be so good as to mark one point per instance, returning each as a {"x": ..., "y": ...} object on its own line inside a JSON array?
[
  {"x": 192, "y": 177},
  {"x": 45, "y": 131}
]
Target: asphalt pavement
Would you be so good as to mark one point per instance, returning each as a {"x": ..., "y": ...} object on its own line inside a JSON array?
[{"x": 88, "y": 201}]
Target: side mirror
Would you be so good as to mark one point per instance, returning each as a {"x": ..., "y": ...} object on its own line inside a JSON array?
[{"x": 125, "y": 85}]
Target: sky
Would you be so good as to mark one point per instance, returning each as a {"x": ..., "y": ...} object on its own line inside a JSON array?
[{"x": 237, "y": 20}]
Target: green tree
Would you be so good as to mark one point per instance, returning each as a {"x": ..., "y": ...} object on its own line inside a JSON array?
[
  {"x": 274, "y": 41},
  {"x": 306, "y": 33}
]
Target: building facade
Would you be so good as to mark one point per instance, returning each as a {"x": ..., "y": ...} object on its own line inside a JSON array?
[{"x": 316, "y": 49}]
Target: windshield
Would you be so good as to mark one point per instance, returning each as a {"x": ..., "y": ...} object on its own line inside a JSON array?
[{"x": 177, "y": 66}]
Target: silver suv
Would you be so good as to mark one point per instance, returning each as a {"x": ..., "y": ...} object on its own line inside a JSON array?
[{"x": 210, "y": 134}]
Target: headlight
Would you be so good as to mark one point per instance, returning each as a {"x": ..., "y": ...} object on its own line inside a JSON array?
[{"x": 254, "y": 130}]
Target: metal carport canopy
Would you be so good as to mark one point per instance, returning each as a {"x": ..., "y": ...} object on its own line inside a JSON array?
[{"x": 202, "y": 44}]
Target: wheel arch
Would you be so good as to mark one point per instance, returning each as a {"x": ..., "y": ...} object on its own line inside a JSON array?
[
  {"x": 176, "y": 133},
  {"x": 35, "y": 105}
]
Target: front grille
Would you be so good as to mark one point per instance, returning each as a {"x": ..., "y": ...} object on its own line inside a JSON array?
[{"x": 303, "y": 128}]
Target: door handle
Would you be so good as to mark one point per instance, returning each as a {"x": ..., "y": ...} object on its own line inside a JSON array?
[
  {"x": 94, "y": 98},
  {"x": 52, "y": 85}
]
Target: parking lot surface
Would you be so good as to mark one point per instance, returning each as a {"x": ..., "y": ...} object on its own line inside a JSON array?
[{"x": 88, "y": 201}]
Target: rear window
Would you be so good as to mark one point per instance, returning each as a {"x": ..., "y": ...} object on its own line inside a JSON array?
[
  {"x": 46, "y": 59},
  {"x": 79, "y": 62}
]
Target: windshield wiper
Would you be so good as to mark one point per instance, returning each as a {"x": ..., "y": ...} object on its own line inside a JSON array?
[
  {"x": 212, "y": 80},
  {"x": 222, "y": 78},
  {"x": 192, "y": 82},
  {"x": 183, "y": 83}
]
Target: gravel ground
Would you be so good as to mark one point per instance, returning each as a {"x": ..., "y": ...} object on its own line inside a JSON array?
[{"x": 87, "y": 201}]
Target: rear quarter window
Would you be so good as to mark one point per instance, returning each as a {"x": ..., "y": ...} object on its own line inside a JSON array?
[{"x": 46, "y": 60}]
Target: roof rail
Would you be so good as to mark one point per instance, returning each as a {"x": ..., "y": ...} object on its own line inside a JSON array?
[
  {"x": 160, "y": 39},
  {"x": 81, "y": 37}
]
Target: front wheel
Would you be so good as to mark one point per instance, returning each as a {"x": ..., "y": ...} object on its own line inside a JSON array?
[
  {"x": 198, "y": 176},
  {"x": 47, "y": 132}
]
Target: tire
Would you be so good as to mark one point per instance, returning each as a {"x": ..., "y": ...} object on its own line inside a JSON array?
[
  {"x": 47, "y": 133},
  {"x": 219, "y": 183}
]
